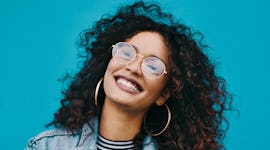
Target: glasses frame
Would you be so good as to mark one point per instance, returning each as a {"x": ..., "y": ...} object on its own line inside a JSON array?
[{"x": 114, "y": 53}]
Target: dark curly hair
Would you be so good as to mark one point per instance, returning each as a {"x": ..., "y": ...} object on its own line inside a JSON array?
[{"x": 198, "y": 96}]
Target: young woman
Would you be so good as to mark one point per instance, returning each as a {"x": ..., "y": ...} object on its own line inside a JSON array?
[{"x": 145, "y": 84}]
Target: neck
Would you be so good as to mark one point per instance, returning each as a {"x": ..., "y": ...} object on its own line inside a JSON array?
[{"x": 119, "y": 124}]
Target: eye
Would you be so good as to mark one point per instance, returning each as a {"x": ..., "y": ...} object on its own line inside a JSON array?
[
  {"x": 153, "y": 65},
  {"x": 153, "y": 69},
  {"x": 125, "y": 54}
]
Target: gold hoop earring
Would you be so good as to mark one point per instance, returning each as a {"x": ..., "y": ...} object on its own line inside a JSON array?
[
  {"x": 166, "y": 126},
  {"x": 96, "y": 91}
]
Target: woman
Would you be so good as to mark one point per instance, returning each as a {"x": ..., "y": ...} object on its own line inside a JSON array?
[{"x": 145, "y": 84}]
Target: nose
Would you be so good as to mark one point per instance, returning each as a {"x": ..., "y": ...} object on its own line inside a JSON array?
[{"x": 135, "y": 66}]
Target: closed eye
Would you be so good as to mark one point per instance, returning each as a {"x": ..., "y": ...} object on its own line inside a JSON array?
[
  {"x": 153, "y": 69},
  {"x": 126, "y": 55}
]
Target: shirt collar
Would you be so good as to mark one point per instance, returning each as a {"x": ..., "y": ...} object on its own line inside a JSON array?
[{"x": 90, "y": 133}]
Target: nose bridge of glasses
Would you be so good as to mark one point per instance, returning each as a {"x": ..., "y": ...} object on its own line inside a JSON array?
[
  {"x": 140, "y": 55},
  {"x": 136, "y": 62},
  {"x": 136, "y": 59}
]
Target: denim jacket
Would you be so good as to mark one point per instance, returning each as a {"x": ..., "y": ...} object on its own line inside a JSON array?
[{"x": 85, "y": 139}]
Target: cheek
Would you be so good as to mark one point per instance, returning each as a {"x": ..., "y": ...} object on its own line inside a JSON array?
[
  {"x": 113, "y": 65},
  {"x": 156, "y": 88},
  {"x": 110, "y": 65},
  {"x": 108, "y": 78},
  {"x": 109, "y": 71},
  {"x": 111, "y": 68}
]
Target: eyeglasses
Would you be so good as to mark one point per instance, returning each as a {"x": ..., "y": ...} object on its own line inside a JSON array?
[{"x": 152, "y": 67}]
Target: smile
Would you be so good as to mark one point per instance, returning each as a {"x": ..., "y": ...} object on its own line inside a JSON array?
[{"x": 127, "y": 85}]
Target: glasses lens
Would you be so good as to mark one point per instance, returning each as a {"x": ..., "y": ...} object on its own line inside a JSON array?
[
  {"x": 123, "y": 52},
  {"x": 153, "y": 67}
]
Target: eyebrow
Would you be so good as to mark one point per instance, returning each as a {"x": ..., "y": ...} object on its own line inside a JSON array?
[
  {"x": 136, "y": 49},
  {"x": 143, "y": 55}
]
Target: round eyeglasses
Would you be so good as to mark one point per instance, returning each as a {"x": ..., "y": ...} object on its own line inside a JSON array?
[{"x": 152, "y": 67}]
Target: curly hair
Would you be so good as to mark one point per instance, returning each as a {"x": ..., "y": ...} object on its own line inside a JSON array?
[{"x": 198, "y": 96}]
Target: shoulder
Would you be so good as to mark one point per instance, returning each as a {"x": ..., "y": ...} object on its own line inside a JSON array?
[
  {"x": 49, "y": 139},
  {"x": 62, "y": 139},
  {"x": 53, "y": 133}
]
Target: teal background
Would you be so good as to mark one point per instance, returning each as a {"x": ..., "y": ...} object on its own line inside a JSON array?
[{"x": 37, "y": 47}]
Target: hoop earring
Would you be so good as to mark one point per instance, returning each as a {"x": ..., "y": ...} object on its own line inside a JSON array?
[
  {"x": 96, "y": 91},
  {"x": 166, "y": 126}
]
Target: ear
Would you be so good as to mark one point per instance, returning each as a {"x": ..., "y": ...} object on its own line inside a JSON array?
[{"x": 163, "y": 97}]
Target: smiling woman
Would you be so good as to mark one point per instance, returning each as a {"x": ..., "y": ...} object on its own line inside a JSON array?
[
  {"x": 136, "y": 85},
  {"x": 147, "y": 85}
]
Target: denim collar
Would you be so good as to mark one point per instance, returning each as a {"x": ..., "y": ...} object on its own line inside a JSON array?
[{"x": 89, "y": 136}]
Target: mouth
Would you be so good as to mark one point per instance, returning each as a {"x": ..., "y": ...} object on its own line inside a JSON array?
[{"x": 128, "y": 85}]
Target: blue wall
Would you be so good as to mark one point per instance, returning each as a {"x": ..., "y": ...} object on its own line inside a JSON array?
[{"x": 37, "y": 40}]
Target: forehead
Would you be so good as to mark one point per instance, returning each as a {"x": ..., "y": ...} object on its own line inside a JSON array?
[{"x": 150, "y": 44}]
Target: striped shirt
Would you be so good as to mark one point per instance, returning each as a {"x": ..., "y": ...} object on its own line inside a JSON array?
[{"x": 105, "y": 144}]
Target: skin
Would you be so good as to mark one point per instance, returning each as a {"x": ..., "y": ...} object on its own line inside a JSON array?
[{"x": 124, "y": 109}]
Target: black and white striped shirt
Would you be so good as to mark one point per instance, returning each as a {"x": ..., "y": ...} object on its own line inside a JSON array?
[{"x": 105, "y": 144}]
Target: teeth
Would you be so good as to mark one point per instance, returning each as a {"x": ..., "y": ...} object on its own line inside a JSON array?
[{"x": 128, "y": 84}]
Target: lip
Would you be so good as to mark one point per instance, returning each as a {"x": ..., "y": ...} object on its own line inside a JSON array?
[{"x": 130, "y": 80}]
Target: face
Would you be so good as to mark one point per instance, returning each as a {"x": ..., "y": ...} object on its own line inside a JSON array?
[{"x": 127, "y": 85}]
